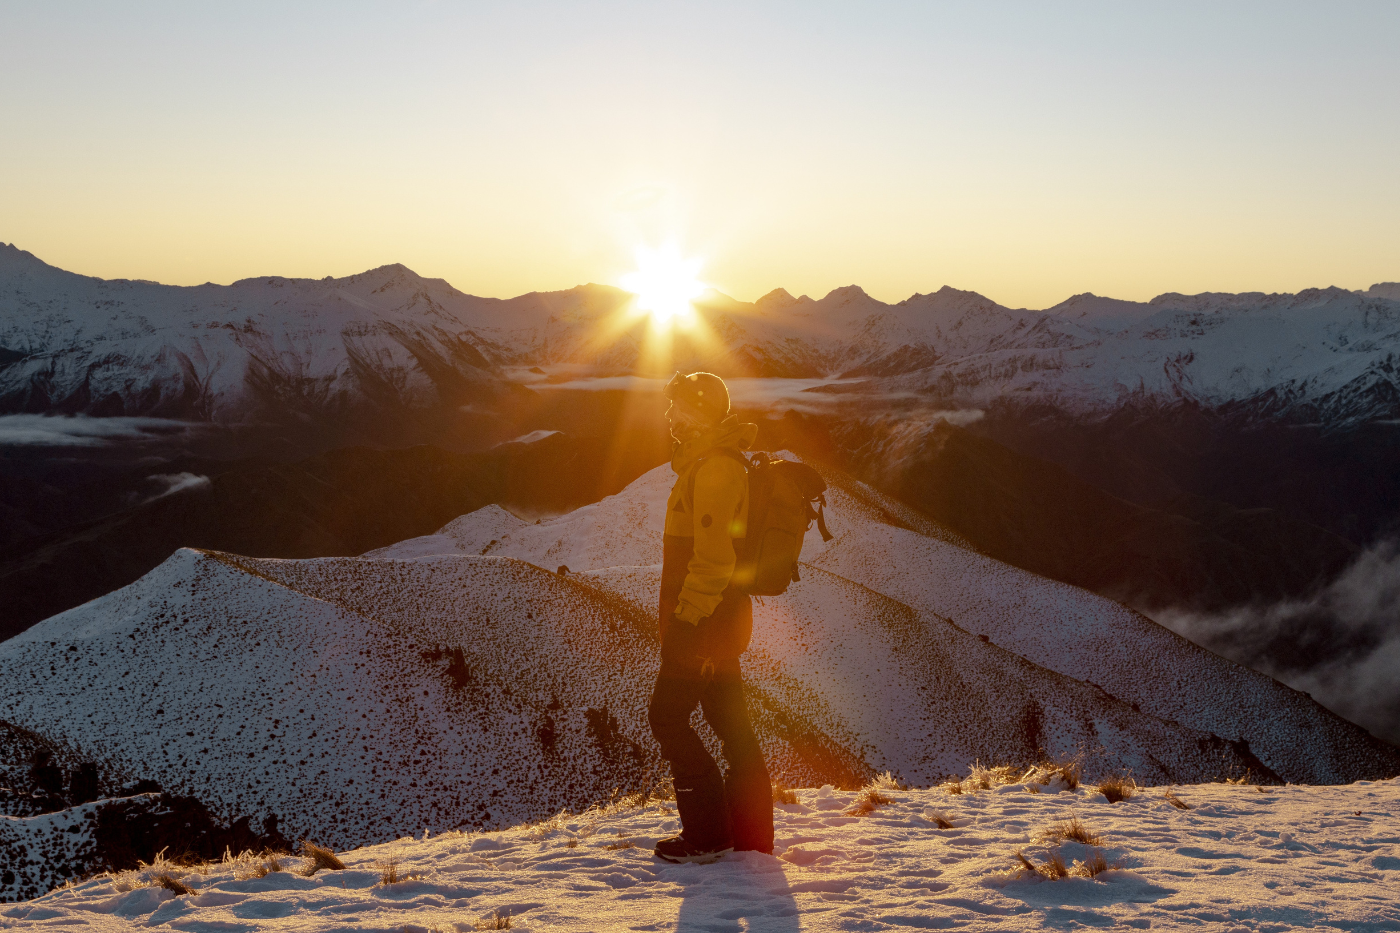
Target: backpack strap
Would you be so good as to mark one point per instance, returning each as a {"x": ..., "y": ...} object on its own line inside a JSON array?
[
  {"x": 820, "y": 510},
  {"x": 713, "y": 452}
]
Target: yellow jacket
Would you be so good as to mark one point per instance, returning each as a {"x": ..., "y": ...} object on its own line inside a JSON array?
[{"x": 717, "y": 514}]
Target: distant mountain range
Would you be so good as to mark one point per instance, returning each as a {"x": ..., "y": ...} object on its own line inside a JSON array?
[{"x": 390, "y": 339}]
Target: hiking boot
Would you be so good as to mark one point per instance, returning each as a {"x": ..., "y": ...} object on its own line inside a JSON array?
[{"x": 676, "y": 849}]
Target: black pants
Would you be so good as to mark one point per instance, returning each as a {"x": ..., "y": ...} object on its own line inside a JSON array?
[{"x": 716, "y": 811}]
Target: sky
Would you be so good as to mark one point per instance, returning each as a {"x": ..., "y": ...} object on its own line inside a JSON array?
[{"x": 1028, "y": 151}]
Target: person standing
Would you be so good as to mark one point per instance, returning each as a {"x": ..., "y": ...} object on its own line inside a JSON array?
[{"x": 705, "y": 625}]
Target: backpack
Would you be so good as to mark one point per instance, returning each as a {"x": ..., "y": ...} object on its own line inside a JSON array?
[{"x": 784, "y": 498}]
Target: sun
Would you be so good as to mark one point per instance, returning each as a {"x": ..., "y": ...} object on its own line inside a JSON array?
[{"x": 665, "y": 284}]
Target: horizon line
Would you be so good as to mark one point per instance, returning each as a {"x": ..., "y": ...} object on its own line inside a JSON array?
[{"x": 709, "y": 289}]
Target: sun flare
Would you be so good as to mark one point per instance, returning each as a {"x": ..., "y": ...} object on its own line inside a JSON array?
[{"x": 665, "y": 284}]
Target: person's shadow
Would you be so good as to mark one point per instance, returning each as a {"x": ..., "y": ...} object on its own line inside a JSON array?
[{"x": 745, "y": 885}]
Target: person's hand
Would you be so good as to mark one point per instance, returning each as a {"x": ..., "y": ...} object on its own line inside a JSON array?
[
  {"x": 687, "y": 645},
  {"x": 682, "y": 639}
]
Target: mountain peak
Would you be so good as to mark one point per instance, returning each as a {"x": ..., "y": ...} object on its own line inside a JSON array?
[
  {"x": 846, "y": 293},
  {"x": 948, "y": 295},
  {"x": 1095, "y": 308},
  {"x": 777, "y": 298},
  {"x": 14, "y": 257},
  {"x": 393, "y": 268},
  {"x": 948, "y": 291}
]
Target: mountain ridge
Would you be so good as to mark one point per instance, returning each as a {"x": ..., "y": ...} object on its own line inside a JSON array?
[
  {"x": 389, "y": 339},
  {"x": 1379, "y": 289}
]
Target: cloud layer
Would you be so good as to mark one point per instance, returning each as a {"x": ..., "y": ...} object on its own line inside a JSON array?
[
  {"x": 83, "y": 431},
  {"x": 770, "y": 394},
  {"x": 1342, "y": 645}
]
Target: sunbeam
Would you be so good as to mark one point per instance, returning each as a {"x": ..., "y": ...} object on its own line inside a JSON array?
[{"x": 665, "y": 284}]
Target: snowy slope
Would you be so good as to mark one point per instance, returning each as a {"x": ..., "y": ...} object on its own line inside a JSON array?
[
  {"x": 302, "y": 688},
  {"x": 953, "y": 589},
  {"x": 47, "y": 849},
  {"x": 392, "y": 695},
  {"x": 1294, "y": 858},
  {"x": 389, "y": 337},
  {"x": 1098, "y": 641}
]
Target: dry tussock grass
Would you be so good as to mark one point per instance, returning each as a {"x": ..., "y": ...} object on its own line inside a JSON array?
[
  {"x": 497, "y": 921},
  {"x": 588, "y": 821},
  {"x": 1176, "y": 801},
  {"x": 249, "y": 864},
  {"x": 1067, "y": 773},
  {"x": 149, "y": 874},
  {"x": 1121, "y": 787},
  {"x": 263, "y": 868},
  {"x": 980, "y": 777},
  {"x": 246, "y": 864},
  {"x": 1073, "y": 830},
  {"x": 783, "y": 794},
  {"x": 873, "y": 796},
  {"x": 320, "y": 858},
  {"x": 549, "y": 825},
  {"x": 1093, "y": 867},
  {"x": 888, "y": 781},
  {"x": 172, "y": 884},
  {"x": 868, "y": 802},
  {"x": 938, "y": 819},
  {"x": 389, "y": 872},
  {"x": 1055, "y": 869}
]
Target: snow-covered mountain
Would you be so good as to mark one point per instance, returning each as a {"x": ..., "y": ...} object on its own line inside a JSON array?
[
  {"x": 884, "y": 547},
  {"x": 499, "y": 670},
  {"x": 388, "y": 338}
]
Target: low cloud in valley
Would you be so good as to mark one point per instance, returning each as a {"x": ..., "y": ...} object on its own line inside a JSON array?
[
  {"x": 83, "y": 431},
  {"x": 1342, "y": 645}
]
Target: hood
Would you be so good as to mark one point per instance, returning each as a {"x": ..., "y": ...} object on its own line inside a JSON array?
[{"x": 731, "y": 432}]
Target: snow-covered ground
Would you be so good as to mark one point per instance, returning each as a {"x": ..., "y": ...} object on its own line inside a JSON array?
[{"x": 1242, "y": 858}]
